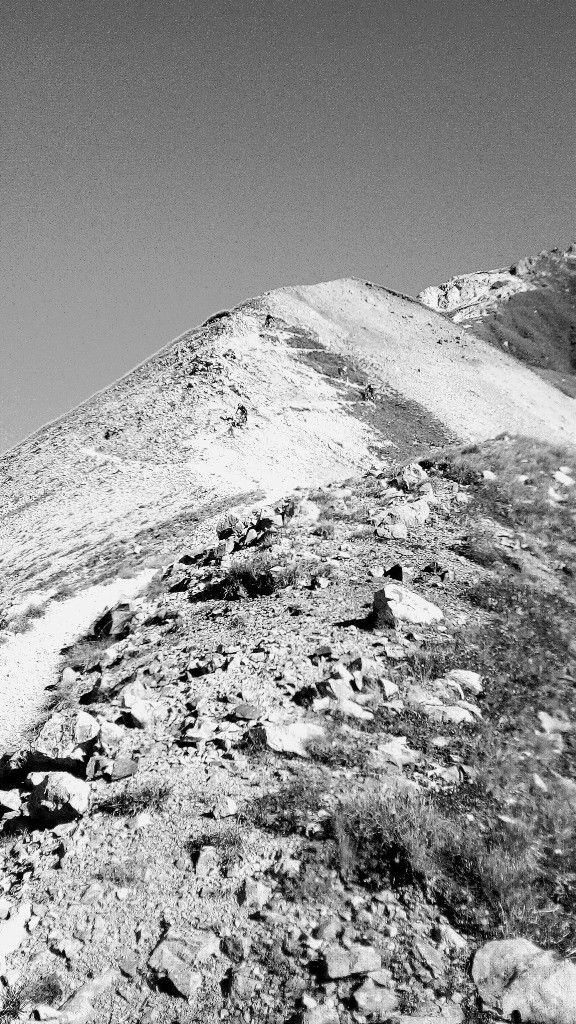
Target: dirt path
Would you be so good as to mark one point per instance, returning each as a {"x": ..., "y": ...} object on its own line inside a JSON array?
[{"x": 30, "y": 661}]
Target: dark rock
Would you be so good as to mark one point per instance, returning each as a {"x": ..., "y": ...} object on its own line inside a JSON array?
[{"x": 114, "y": 623}]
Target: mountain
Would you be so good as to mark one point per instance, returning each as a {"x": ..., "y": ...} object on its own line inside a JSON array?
[
  {"x": 527, "y": 309},
  {"x": 328, "y": 374}
]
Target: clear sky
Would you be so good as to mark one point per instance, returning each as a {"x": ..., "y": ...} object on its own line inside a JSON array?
[{"x": 163, "y": 159}]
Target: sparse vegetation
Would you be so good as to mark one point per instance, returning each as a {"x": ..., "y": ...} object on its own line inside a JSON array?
[
  {"x": 253, "y": 576},
  {"x": 135, "y": 797}
]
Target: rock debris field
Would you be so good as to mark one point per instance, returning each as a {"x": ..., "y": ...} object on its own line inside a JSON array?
[{"x": 318, "y": 769}]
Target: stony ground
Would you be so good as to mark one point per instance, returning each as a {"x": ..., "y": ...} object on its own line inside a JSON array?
[{"x": 318, "y": 769}]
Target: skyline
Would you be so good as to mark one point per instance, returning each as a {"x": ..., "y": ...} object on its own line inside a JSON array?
[{"x": 161, "y": 164}]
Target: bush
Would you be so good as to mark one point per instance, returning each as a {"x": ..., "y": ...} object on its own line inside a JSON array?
[{"x": 254, "y": 576}]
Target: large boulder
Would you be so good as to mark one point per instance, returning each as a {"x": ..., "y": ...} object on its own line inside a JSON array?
[
  {"x": 59, "y": 797},
  {"x": 523, "y": 982}
]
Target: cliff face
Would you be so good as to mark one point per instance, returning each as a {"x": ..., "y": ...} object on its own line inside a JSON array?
[{"x": 528, "y": 309}]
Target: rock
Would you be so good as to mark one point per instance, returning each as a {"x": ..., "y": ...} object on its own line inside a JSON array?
[
  {"x": 341, "y": 963},
  {"x": 68, "y": 677},
  {"x": 397, "y": 602},
  {"x": 382, "y": 613},
  {"x": 142, "y": 714},
  {"x": 489, "y": 475},
  {"x": 111, "y": 736},
  {"x": 254, "y": 894},
  {"x": 320, "y": 1015},
  {"x": 431, "y": 957},
  {"x": 372, "y": 1000},
  {"x": 524, "y": 982},
  {"x": 5, "y": 908},
  {"x": 395, "y": 751},
  {"x": 341, "y": 689},
  {"x": 129, "y": 965},
  {"x": 78, "y": 1009},
  {"x": 206, "y": 861},
  {"x": 291, "y": 738},
  {"x": 123, "y": 768},
  {"x": 563, "y": 478},
  {"x": 246, "y": 712},
  {"x": 176, "y": 956},
  {"x": 9, "y": 800},
  {"x": 115, "y": 622},
  {"x": 552, "y": 725},
  {"x": 350, "y": 709},
  {"x": 65, "y": 742},
  {"x": 233, "y": 948},
  {"x": 13, "y": 931},
  {"x": 411, "y": 476},
  {"x": 465, "y": 679},
  {"x": 58, "y": 798}
]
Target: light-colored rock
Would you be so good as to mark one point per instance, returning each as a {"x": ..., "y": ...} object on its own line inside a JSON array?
[
  {"x": 9, "y": 800},
  {"x": 407, "y": 606},
  {"x": 350, "y": 709},
  {"x": 372, "y": 1000},
  {"x": 177, "y": 957},
  {"x": 341, "y": 963},
  {"x": 471, "y": 681},
  {"x": 65, "y": 741},
  {"x": 59, "y": 797},
  {"x": 13, "y": 931},
  {"x": 254, "y": 894},
  {"x": 291, "y": 738},
  {"x": 524, "y": 982},
  {"x": 86, "y": 728},
  {"x": 79, "y": 1008},
  {"x": 142, "y": 714}
]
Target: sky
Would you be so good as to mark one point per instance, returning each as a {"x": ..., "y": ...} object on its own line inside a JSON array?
[{"x": 165, "y": 159}]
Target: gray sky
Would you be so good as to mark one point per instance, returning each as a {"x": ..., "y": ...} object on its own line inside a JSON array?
[{"x": 162, "y": 160}]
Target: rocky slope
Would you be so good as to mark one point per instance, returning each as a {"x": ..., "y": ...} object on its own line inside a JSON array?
[
  {"x": 528, "y": 309},
  {"x": 317, "y": 768},
  {"x": 300, "y": 386}
]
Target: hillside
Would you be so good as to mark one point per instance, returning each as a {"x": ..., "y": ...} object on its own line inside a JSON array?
[
  {"x": 528, "y": 309},
  {"x": 287, "y": 675},
  {"x": 160, "y": 451},
  {"x": 321, "y": 771}
]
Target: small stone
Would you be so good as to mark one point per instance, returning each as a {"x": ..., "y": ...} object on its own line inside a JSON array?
[
  {"x": 9, "y": 800},
  {"x": 254, "y": 894},
  {"x": 206, "y": 861}
]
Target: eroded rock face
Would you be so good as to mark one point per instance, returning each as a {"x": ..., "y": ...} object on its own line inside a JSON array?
[
  {"x": 522, "y": 981},
  {"x": 59, "y": 797}
]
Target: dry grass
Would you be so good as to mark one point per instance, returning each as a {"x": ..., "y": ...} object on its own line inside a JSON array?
[{"x": 136, "y": 797}]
